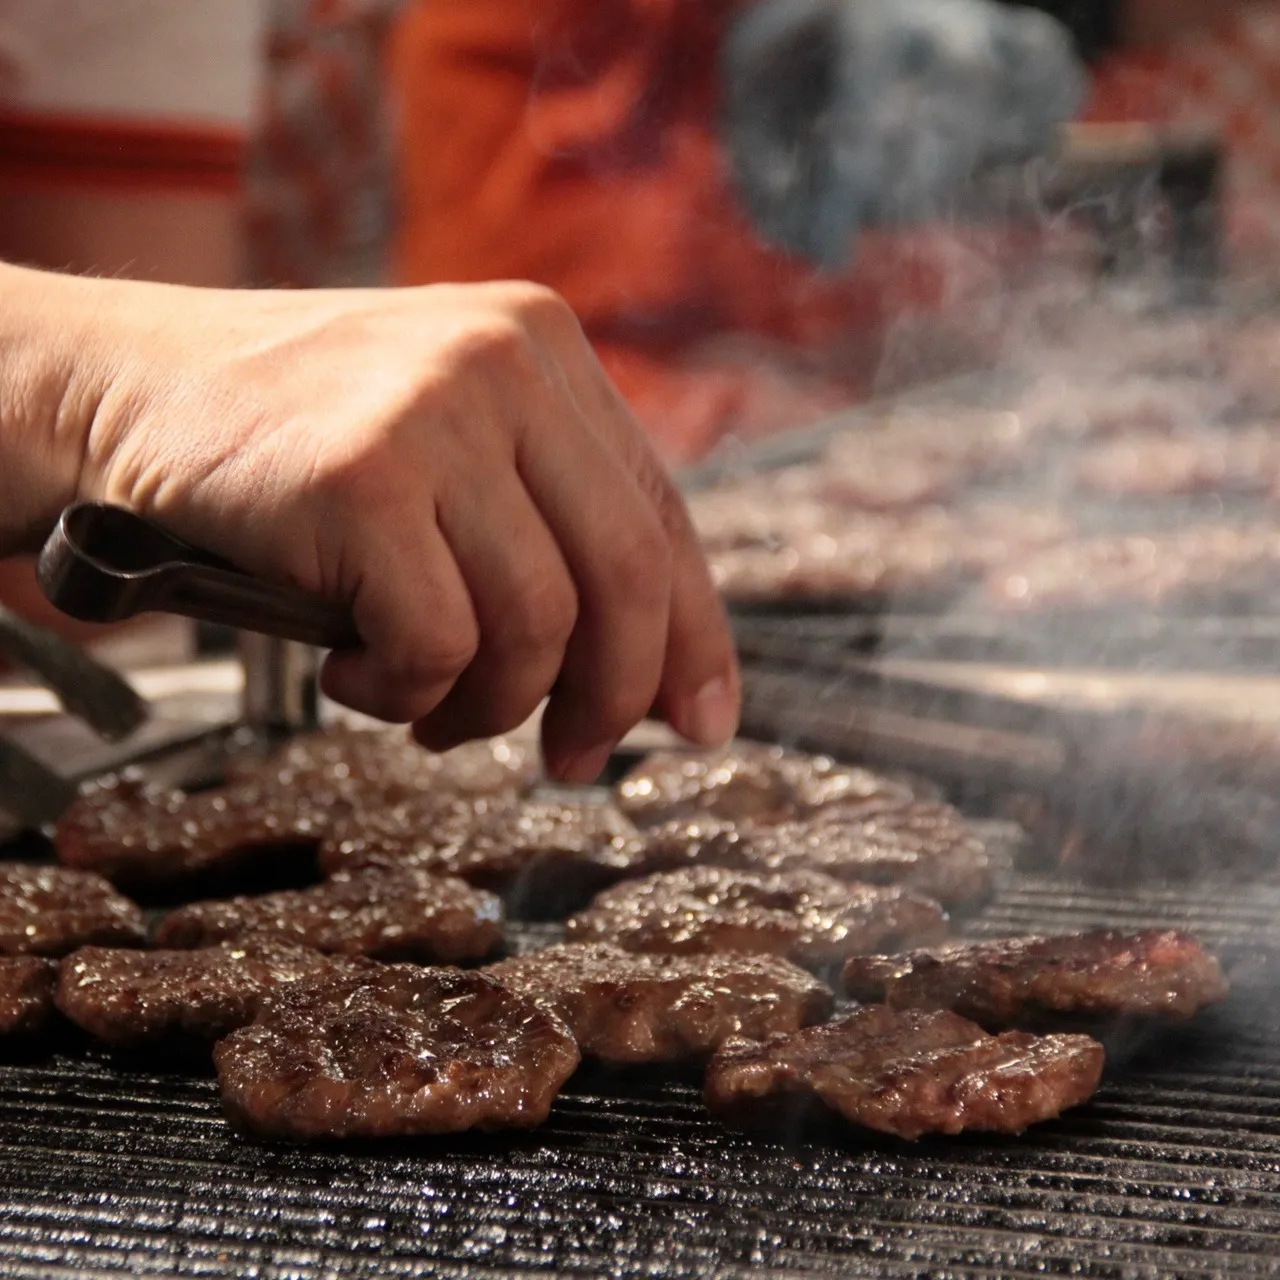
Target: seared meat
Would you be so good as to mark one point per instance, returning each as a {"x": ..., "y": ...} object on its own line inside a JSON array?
[
  {"x": 807, "y": 917},
  {"x": 143, "y": 998},
  {"x": 388, "y": 764},
  {"x": 905, "y": 1073},
  {"x": 545, "y": 856},
  {"x": 624, "y": 1007},
  {"x": 928, "y": 847},
  {"x": 750, "y": 782},
  {"x": 157, "y": 838},
  {"x": 48, "y": 911},
  {"x": 400, "y": 1050},
  {"x": 389, "y": 915},
  {"x": 26, "y": 995},
  {"x": 1035, "y": 982}
]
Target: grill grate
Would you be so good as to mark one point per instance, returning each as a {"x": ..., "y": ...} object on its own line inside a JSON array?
[{"x": 109, "y": 1167}]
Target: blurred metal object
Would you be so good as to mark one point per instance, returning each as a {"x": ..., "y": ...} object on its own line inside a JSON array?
[
  {"x": 280, "y": 691},
  {"x": 95, "y": 693},
  {"x": 31, "y": 793},
  {"x": 103, "y": 563}
]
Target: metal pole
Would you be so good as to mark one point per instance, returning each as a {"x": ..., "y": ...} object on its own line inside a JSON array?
[{"x": 280, "y": 690}]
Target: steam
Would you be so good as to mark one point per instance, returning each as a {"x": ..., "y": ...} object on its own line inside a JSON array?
[{"x": 839, "y": 114}]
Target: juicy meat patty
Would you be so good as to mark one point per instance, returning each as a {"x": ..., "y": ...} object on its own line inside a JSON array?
[
  {"x": 924, "y": 846},
  {"x": 1081, "y": 977},
  {"x": 626, "y": 1007},
  {"x": 49, "y": 911},
  {"x": 158, "y": 838},
  {"x": 402, "y": 1050},
  {"x": 802, "y": 915},
  {"x": 140, "y": 998},
  {"x": 905, "y": 1073},
  {"x": 389, "y": 763},
  {"x": 750, "y": 782},
  {"x": 540, "y": 854},
  {"x": 26, "y": 995},
  {"x": 389, "y": 915}
]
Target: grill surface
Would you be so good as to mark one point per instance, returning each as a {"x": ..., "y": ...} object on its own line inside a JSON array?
[{"x": 108, "y": 1167}]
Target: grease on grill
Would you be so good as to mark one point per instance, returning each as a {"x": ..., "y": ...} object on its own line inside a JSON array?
[
  {"x": 626, "y": 1007},
  {"x": 52, "y": 910},
  {"x": 802, "y": 915},
  {"x": 163, "y": 998},
  {"x": 400, "y": 1051},
  {"x": 905, "y": 1073},
  {"x": 1072, "y": 979},
  {"x": 389, "y": 915}
]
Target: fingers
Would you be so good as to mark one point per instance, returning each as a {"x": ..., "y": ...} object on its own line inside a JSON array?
[
  {"x": 414, "y": 613},
  {"x": 525, "y": 603}
]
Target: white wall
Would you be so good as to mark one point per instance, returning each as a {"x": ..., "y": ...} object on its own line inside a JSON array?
[{"x": 196, "y": 60}]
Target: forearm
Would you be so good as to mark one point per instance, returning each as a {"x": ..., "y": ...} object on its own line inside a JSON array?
[{"x": 50, "y": 379}]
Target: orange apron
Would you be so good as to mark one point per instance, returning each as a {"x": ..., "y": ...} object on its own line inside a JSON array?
[{"x": 572, "y": 142}]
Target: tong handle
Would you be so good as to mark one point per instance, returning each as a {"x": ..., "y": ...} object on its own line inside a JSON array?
[{"x": 104, "y": 564}]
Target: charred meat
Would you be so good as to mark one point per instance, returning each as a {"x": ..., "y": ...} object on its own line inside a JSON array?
[
  {"x": 399, "y": 1051},
  {"x": 26, "y": 996},
  {"x": 807, "y": 917},
  {"x": 544, "y": 856},
  {"x": 388, "y": 915},
  {"x": 1078, "y": 979},
  {"x": 144, "y": 998},
  {"x": 906, "y": 1074},
  {"x": 48, "y": 911},
  {"x": 924, "y": 846},
  {"x": 750, "y": 782},
  {"x": 626, "y": 1007}
]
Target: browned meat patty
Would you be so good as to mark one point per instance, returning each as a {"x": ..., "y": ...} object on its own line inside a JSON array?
[
  {"x": 625, "y": 1007},
  {"x": 389, "y": 764},
  {"x": 905, "y": 1073},
  {"x": 928, "y": 847},
  {"x": 399, "y": 1051},
  {"x": 807, "y": 917},
  {"x": 389, "y": 915},
  {"x": 1036, "y": 982},
  {"x": 750, "y": 782},
  {"x": 48, "y": 911},
  {"x": 156, "y": 838},
  {"x": 144, "y": 998},
  {"x": 26, "y": 996},
  {"x": 542, "y": 855}
]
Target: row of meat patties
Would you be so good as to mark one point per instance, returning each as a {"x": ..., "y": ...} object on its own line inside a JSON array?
[{"x": 782, "y": 919}]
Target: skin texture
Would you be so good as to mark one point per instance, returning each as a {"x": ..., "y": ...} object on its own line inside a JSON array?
[{"x": 450, "y": 461}]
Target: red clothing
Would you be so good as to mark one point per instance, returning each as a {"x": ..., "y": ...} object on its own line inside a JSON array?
[{"x": 573, "y": 142}]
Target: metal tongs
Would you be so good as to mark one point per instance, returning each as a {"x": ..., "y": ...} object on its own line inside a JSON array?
[{"x": 104, "y": 564}]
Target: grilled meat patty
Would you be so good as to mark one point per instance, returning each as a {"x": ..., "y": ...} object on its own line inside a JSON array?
[
  {"x": 146, "y": 998},
  {"x": 924, "y": 846},
  {"x": 26, "y": 996},
  {"x": 1035, "y": 982},
  {"x": 544, "y": 856},
  {"x": 807, "y": 917},
  {"x": 905, "y": 1073},
  {"x": 750, "y": 782},
  {"x": 49, "y": 911},
  {"x": 626, "y": 1007},
  {"x": 401, "y": 1050},
  {"x": 160, "y": 839},
  {"x": 389, "y": 915}
]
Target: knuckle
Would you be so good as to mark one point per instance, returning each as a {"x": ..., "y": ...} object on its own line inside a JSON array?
[
  {"x": 543, "y": 614},
  {"x": 639, "y": 563},
  {"x": 621, "y": 704}
]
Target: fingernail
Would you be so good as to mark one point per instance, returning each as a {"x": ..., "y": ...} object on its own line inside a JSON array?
[
  {"x": 713, "y": 714},
  {"x": 583, "y": 769}
]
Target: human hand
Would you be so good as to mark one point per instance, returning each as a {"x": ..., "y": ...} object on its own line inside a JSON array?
[{"x": 453, "y": 463}]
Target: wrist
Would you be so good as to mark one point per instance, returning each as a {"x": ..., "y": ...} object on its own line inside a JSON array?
[{"x": 52, "y": 375}]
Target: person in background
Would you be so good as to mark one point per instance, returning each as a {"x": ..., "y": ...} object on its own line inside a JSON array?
[{"x": 734, "y": 195}]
